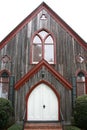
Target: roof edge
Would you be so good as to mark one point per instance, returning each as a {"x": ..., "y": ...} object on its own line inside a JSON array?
[
  {"x": 66, "y": 27},
  {"x": 21, "y": 25},
  {"x": 54, "y": 15},
  {"x": 35, "y": 69}
]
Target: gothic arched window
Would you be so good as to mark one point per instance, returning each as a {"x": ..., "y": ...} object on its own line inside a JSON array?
[
  {"x": 43, "y": 47},
  {"x": 4, "y": 84},
  {"x": 81, "y": 84}
]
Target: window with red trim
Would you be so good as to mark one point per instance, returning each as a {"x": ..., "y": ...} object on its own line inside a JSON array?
[
  {"x": 43, "y": 47},
  {"x": 81, "y": 84},
  {"x": 4, "y": 84}
]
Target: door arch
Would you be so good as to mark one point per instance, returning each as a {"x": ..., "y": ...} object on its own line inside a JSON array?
[{"x": 43, "y": 103}]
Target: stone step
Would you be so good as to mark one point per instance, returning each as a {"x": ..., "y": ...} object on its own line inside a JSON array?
[{"x": 42, "y": 126}]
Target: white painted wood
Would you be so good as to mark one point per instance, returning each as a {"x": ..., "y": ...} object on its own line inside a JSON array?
[
  {"x": 0, "y": 89},
  {"x": 42, "y": 104}
]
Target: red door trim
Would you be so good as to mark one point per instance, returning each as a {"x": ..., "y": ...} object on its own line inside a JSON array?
[{"x": 49, "y": 85}]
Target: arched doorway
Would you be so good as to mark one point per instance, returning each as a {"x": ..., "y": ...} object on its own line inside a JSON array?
[{"x": 43, "y": 104}]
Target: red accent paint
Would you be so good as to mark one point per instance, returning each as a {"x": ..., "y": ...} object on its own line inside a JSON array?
[
  {"x": 43, "y": 44},
  {"x": 49, "y": 85},
  {"x": 36, "y": 68},
  {"x": 20, "y": 26},
  {"x": 55, "y": 17},
  {"x": 5, "y": 70},
  {"x": 79, "y": 70},
  {"x": 66, "y": 27},
  {"x": 86, "y": 82},
  {"x": 85, "y": 74}
]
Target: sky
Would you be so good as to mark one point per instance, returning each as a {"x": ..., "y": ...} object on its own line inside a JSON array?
[{"x": 73, "y": 12}]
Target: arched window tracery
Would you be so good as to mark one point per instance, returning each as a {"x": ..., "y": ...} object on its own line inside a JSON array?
[{"x": 43, "y": 47}]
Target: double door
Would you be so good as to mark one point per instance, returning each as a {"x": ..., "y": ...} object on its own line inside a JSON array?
[{"x": 42, "y": 104}]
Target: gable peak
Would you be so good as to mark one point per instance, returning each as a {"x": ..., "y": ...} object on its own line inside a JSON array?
[
  {"x": 43, "y": 4},
  {"x": 35, "y": 69}
]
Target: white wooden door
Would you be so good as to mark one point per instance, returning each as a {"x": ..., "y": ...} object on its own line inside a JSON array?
[{"x": 42, "y": 104}]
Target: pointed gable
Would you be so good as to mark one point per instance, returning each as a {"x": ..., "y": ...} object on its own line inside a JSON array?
[
  {"x": 35, "y": 69},
  {"x": 54, "y": 16}
]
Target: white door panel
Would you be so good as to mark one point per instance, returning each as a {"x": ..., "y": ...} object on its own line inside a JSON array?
[{"x": 42, "y": 104}]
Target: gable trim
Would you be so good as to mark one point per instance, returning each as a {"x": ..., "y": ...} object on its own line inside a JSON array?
[
  {"x": 20, "y": 26},
  {"x": 49, "y": 33},
  {"x": 35, "y": 69},
  {"x": 54, "y": 15},
  {"x": 66, "y": 27}
]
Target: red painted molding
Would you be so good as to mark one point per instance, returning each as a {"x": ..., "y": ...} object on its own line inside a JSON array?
[
  {"x": 20, "y": 26},
  {"x": 35, "y": 69},
  {"x": 86, "y": 82},
  {"x": 5, "y": 70},
  {"x": 85, "y": 73},
  {"x": 49, "y": 85},
  {"x": 42, "y": 39},
  {"x": 55, "y": 17},
  {"x": 59, "y": 20},
  {"x": 80, "y": 70},
  {"x": 45, "y": 82}
]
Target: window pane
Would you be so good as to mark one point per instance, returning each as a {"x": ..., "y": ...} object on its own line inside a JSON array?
[
  {"x": 5, "y": 90},
  {"x": 36, "y": 40},
  {"x": 43, "y": 17},
  {"x": 37, "y": 53},
  {"x": 81, "y": 76},
  {"x": 43, "y": 34},
  {"x": 49, "y": 40},
  {"x": 49, "y": 53},
  {"x": 43, "y": 47},
  {"x": 0, "y": 89},
  {"x": 4, "y": 74}
]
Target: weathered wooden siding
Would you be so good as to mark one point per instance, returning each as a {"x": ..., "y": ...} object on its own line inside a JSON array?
[
  {"x": 65, "y": 94},
  {"x": 67, "y": 48}
]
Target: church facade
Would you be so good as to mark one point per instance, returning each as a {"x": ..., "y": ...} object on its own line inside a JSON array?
[{"x": 43, "y": 67}]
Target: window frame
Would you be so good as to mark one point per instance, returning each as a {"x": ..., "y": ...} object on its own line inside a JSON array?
[
  {"x": 4, "y": 80},
  {"x": 43, "y": 46},
  {"x": 80, "y": 81}
]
